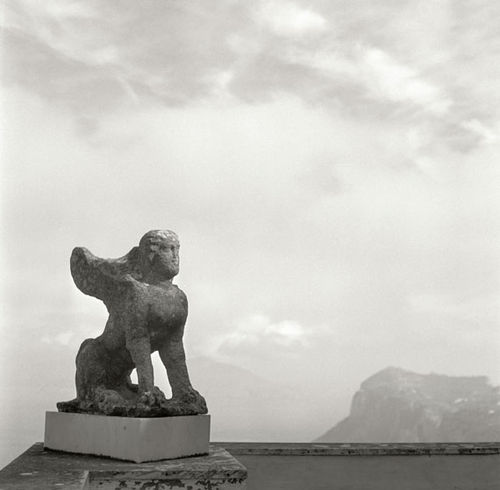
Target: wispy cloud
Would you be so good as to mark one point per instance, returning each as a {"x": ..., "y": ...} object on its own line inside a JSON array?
[
  {"x": 252, "y": 330},
  {"x": 489, "y": 134},
  {"x": 379, "y": 75},
  {"x": 289, "y": 19},
  {"x": 83, "y": 56},
  {"x": 399, "y": 83}
]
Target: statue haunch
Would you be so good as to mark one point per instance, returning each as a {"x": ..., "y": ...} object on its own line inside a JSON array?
[{"x": 147, "y": 313}]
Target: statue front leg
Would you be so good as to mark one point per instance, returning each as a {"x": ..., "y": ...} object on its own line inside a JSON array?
[
  {"x": 140, "y": 351},
  {"x": 174, "y": 359}
]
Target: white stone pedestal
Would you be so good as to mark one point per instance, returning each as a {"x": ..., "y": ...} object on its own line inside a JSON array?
[{"x": 127, "y": 438}]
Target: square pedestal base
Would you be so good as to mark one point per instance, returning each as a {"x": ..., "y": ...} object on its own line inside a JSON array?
[{"x": 127, "y": 438}]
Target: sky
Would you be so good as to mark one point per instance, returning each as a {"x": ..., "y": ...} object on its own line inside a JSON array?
[{"x": 331, "y": 169}]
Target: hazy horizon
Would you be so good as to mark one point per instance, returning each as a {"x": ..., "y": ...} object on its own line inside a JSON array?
[{"x": 331, "y": 168}]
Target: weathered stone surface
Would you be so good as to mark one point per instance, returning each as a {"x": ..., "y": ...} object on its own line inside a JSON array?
[
  {"x": 147, "y": 313},
  {"x": 38, "y": 469},
  {"x": 361, "y": 449}
]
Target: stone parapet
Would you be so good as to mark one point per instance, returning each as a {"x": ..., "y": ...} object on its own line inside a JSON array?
[
  {"x": 361, "y": 449},
  {"x": 42, "y": 469}
]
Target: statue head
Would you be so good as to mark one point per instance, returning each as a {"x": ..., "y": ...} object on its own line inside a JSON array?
[{"x": 159, "y": 255}]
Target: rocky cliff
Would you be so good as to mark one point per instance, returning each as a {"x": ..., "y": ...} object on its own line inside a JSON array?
[{"x": 396, "y": 405}]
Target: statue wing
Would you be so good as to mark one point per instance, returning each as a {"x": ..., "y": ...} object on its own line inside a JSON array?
[{"x": 102, "y": 278}]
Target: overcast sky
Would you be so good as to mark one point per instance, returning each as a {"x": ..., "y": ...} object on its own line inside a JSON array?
[{"x": 331, "y": 168}]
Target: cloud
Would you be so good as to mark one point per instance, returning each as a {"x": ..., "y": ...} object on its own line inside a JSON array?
[
  {"x": 289, "y": 19},
  {"x": 272, "y": 348},
  {"x": 88, "y": 58},
  {"x": 399, "y": 83},
  {"x": 60, "y": 9},
  {"x": 488, "y": 134},
  {"x": 152, "y": 51},
  {"x": 379, "y": 75},
  {"x": 254, "y": 329}
]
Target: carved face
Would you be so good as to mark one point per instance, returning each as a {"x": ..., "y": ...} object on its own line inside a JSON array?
[{"x": 160, "y": 253}]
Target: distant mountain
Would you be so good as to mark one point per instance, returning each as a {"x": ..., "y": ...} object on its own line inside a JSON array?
[{"x": 396, "y": 405}]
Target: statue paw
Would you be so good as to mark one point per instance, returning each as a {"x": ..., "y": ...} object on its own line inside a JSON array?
[
  {"x": 194, "y": 400},
  {"x": 153, "y": 398},
  {"x": 107, "y": 402},
  {"x": 69, "y": 406}
]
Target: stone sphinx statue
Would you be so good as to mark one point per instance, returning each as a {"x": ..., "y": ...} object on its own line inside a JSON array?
[{"x": 147, "y": 313}]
